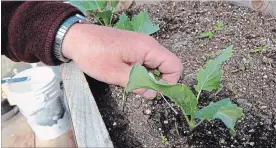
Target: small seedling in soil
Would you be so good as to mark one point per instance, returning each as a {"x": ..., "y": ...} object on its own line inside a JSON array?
[
  {"x": 208, "y": 79},
  {"x": 103, "y": 12},
  {"x": 209, "y": 35},
  {"x": 164, "y": 140},
  {"x": 259, "y": 49},
  {"x": 219, "y": 25}
]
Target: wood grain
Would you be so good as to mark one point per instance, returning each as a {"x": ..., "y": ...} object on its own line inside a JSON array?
[{"x": 88, "y": 125}]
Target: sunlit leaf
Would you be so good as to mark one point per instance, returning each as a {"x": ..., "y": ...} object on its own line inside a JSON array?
[
  {"x": 179, "y": 93},
  {"x": 124, "y": 23},
  {"x": 209, "y": 76},
  {"x": 219, "y": 25},
  {"x": 209, "y": 35},
  {"x": 224, "y": 110},
  {"x": 142, "y": 23}
]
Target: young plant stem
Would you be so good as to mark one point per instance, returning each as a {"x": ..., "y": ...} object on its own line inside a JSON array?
[
  {"x": 191, "y": 122},
  {"x": 110, "y": 21},
  {"x": 176, "y": 127},
  {"x": 124, "y": 100},
  {"x": 169, "y": 104},
  {"x": 198, "y": 95},
  {"x": 197, "y": 125},
  {"x": 98, "y": 20},
  {"x": 98, "y": 6}
]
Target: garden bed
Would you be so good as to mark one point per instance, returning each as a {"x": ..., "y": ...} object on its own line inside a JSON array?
[{"x": 249, "y": 79}]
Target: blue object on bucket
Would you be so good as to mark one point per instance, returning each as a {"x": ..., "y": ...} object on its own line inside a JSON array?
[{"x": 14, "y": 80}]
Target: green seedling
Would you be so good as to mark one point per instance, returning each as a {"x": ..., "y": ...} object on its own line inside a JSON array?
[
  {"x": 219, "y": 25},
  {"x": 139, "y": 23},
  {"x": 156, "y": 74},
  {"x": 259, "y": 49},
  {"x": 208, "y": 79},
  {"x": 103, "y": 12},
  {"x": 216, "y": 92},
  {"x": 260, "y": 115},
  {"x": 164, "y": 140},
  {"x": 209, "y": 35}
]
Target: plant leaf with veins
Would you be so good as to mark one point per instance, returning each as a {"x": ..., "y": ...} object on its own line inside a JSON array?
[
  {"x": 209, "y": 77},
  {"x": 223, "y": 110},
  {"x": 142, "y": 23},
  {"x": 96, "y": 5},
  {"x": 83, "y": 7},
  {"x": 114, "y": 3},
  {"x": 219, "y": 25},
  {"x": 179, "y": 93},
  {"x": 93, "y": 6},
  {"x": 124, "y": 23},
  {"x": 208, "y": 34},
  {"x": 106, "y": 16}
]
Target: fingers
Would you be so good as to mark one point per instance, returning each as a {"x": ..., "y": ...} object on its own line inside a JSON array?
[
  {"x": 121, "y": 74},
  {"x": 150, "y": 94},
  {"x": 147, "y": 93},
  {"x": 166, "y": 62}
]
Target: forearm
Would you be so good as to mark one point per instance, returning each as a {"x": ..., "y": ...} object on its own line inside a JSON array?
[{"x": 29, "y": 29}]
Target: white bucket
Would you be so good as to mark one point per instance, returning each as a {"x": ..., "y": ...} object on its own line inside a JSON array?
[{"x": 40, "y": 101}]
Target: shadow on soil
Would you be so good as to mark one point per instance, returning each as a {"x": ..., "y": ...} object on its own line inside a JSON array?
[{"x": 119, "y": 131}]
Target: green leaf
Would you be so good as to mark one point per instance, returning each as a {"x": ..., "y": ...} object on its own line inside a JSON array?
[
  {"x": 164, "y": 140},
  {"x": 97, "y": 5},
  {"x": 106, "y": 16},
  {"x": 156, "y": 73},
  {"x": 114, "y": 3},
  {"x": 80, "y": 5},
  {"x": 209, "y": 76},
  {"x": 219, "y": 25},
  {"x": 223, "y": 110},
  {"x": 209, "y": 35},
  {"x": 179, "y": 93},
  {"x": 89, "y": 5},
  {"x": 259, "y": 49},
  {"x": 124, "y": 23},
  {"x": 142, "y": 23}
]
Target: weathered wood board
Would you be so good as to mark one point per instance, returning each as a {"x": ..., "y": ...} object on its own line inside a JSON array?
[{"x": 88, "y": 125}]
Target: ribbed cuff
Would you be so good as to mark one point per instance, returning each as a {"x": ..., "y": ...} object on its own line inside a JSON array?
[
  {"x": 32, "y": 30},
  {"x": 50, "y": 39}
]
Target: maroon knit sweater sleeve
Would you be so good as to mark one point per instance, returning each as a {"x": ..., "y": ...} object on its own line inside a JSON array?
[{"x": 29, "y": 29}]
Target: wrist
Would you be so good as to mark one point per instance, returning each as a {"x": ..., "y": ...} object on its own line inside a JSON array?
[
  {"x": 62, "y": 32},
  {"x": 70, "y": 41},
  {"x": 79, "y": 38}
]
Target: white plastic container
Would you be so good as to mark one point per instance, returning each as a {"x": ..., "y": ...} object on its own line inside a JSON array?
[{"x": 40, "y": 101}]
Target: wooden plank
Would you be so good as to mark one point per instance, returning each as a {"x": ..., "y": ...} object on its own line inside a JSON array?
[
  {"x": 66, "y": 140},
  {"x": 16, "y": 132},
  {"x": 88, "y": 125}
]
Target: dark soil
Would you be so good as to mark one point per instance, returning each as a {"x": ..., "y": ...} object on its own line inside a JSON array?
[{"x": 249, "y": 80}]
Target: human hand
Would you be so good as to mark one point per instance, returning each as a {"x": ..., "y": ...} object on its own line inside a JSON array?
[{"x": 107, "y": 54}]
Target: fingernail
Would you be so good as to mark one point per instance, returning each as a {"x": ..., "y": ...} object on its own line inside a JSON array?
[{"x": 150, "y": 94}]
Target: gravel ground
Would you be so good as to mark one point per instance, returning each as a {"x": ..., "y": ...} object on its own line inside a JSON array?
[{"x": 249, "y": 79}]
